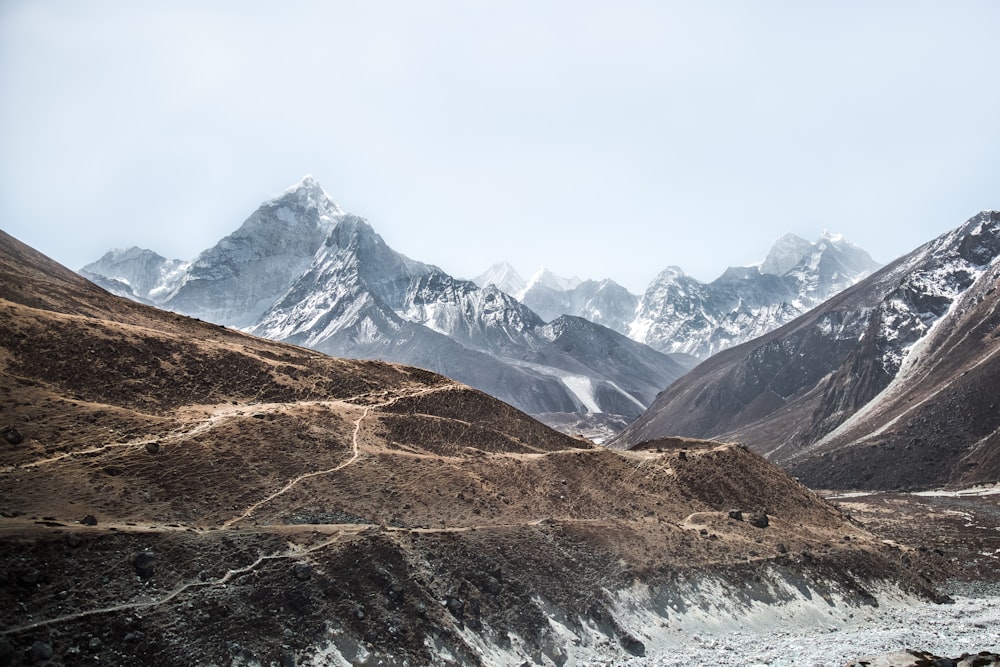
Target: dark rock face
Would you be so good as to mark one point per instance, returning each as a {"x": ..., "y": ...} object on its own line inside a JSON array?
[{"x": 890, "y": 384}]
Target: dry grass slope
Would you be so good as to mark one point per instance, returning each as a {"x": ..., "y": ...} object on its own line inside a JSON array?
[{"x": 243, "y": 500}]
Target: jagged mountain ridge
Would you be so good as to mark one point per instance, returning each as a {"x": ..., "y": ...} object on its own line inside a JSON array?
[
  {"x": 137, "y": 273},
  {"x": 604, "y": 302},
  {"x": 680, "y": 314},
  {"x": 890, "y": 383},
  {"x": 301, "y": 270}
]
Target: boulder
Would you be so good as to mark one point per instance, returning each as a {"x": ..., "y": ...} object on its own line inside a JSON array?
[
  {"x": 143, "y": 563},
  {"x": 11, "y": 435},
  {"x": 302, "y": 571}
]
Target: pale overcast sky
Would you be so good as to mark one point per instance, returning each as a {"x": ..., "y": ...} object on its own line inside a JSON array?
[{"x": 601, "y": 139}]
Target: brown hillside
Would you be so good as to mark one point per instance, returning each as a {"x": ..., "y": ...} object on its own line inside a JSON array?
[{"x": 173, "y": 493}]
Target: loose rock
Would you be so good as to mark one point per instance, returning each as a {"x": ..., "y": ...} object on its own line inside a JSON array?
[
  {"x": 40, "y": 651},
  {"x": 302, "y": 571},
  {"x": 12, "y": 435},
  {"x": 143, "y": 563}
]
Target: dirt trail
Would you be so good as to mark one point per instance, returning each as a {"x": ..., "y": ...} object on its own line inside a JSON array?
[
  {"x": 217, "y": 414},
  {"x": 355, "y": 453},
  {"x": 294, "y": 551},
  {"x": 355, "y": 450}
]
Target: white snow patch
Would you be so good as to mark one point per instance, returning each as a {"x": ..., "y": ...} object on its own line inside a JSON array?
[
  {"x": 985, "y": 490},
  {"x": 583, "y": 388}
]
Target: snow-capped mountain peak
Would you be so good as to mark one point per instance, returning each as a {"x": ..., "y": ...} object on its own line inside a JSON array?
[
  {"x": 545, "y": 278},
  {"x": 680, "y": 314},
  {"x": 786, "y": 252},
  {"x": 308, "y": 194},
  {"x": 504, "y": 276},
  {"x": 670, "y": 274},
  {"x": 135, "y": 272}
]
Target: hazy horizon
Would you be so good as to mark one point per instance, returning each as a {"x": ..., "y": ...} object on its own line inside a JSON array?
[{"x": 595, "y": 140}]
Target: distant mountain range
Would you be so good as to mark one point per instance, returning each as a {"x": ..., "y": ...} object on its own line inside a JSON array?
[
  {"x": 892, "y": 383},
  {"x": 678, "y": 313},
  {"x": 301, "y": 270}
]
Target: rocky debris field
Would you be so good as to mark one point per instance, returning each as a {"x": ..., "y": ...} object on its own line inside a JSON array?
[
  {"x": 963, "y": 529},
  {"x": 966, "y": 626}
]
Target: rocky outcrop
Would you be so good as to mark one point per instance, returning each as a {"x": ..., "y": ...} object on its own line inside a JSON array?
[{"x": 916, "y": 658}]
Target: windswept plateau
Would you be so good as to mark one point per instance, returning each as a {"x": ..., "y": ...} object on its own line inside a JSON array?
[{"x": 175, "y": 493}]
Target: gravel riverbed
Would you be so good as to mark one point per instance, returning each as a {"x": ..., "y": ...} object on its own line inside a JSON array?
[{"x": 970, "y": 625}]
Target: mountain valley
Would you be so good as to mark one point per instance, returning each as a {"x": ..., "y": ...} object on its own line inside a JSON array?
[
  {"x": 203, "y": 484},
  {"x": 177, "y": 492}
]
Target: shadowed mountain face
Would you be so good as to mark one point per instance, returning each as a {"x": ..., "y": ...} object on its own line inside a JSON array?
[
  {"x": 891, "y": 383},
  {"x": 303, "y": 271},
  {"x": 173, "y": 492}
]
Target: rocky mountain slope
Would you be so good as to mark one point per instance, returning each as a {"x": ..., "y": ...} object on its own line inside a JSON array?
[
  {"x": 890, "y": 383},
  {"x": 301, "y": 270},
  {"x": 680, "y": 314},
  {"x": 174, "y": 492}
]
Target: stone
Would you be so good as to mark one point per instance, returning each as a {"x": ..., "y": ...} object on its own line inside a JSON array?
[
  {"x": 89, "y": 520},
  {"x": 153, "y": 447},
  {"x": 759, "y": 520},
  {"x": 143, "y": 563},
  {"x": 915, "y": 658},
  {"x": 455, "y": 606},
  {"x": 12, "y": 435},
  {"x": 302, "y": 571},
  {"x": 736, "y": 514},
  {"x": 40, "y": 651}
]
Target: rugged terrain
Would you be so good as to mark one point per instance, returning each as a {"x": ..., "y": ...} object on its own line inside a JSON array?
[
  {"x": 891, "y": 384},
  {"x": 301, "y": 270},
  {"x": 174, "y": 492},
  {"x": 680, "y": 314}
]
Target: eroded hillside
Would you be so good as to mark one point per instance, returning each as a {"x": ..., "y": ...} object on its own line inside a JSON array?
[{"x": 173, "y": 492}]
